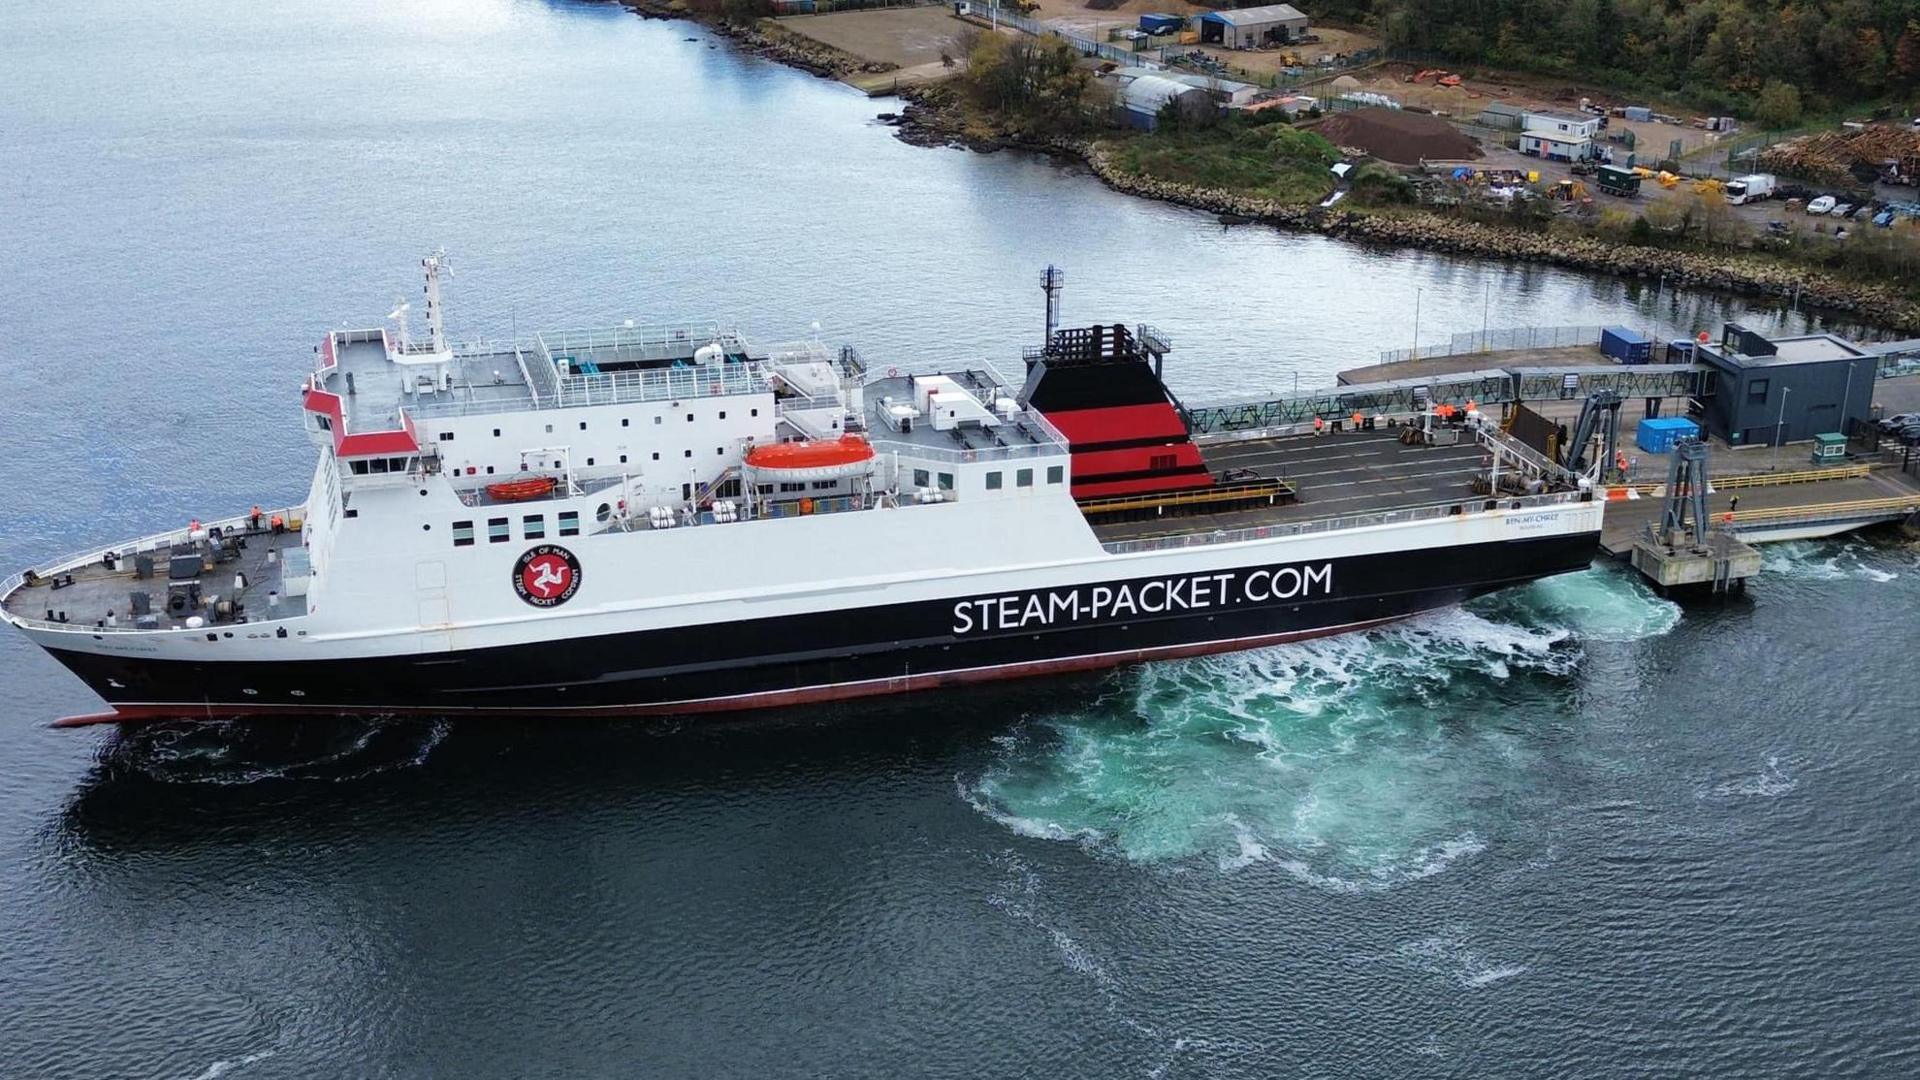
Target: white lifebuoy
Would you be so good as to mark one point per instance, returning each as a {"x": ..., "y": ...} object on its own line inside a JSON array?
[{"x": 893, "y": 373}]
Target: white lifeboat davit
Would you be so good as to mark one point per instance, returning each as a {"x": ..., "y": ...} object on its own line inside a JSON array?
[{"x": 815, "y": 459}]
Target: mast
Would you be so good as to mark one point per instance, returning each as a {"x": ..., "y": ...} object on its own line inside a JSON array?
[{"x": 435, "y": 265}]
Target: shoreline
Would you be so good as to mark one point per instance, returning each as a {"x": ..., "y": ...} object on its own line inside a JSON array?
[{"x": 928, "y": 120}]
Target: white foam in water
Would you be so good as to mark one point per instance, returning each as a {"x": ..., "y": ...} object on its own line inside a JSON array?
[
  {"x": 1824, "y": 560},
  {"x": 1604, "y": 604},
  {"x": 1354, "y": 763},
  {"x": 1451, "y": 958},
  {"x": 222, "y": 1068},
  {"x": 1770, "y": 782}
]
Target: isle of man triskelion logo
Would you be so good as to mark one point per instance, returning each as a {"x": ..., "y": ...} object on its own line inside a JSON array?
[{"x": 546, "y": 576}]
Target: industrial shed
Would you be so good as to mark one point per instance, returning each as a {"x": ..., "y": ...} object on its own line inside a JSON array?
[
  {"x": 1784, "y": 389},
  {"x": 1250, "y": 28},
  {"x": 1555, "y": 146},
  {"x": 1143, "y": 97}
]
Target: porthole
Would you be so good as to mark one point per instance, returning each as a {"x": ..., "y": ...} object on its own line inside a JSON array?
[{"x": 603, "y": 512}]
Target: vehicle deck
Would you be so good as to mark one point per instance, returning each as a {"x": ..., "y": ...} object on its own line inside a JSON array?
[
  {"x": 96, "y": 590},
  {"x": 1336, "y": 475}
]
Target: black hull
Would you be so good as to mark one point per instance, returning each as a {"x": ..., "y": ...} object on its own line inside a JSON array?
[{"x": 811, "y": 657}]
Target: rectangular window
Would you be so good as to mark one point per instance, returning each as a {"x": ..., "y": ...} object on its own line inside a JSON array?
[
  {"x": 378, "y": 465},
  {"x": 497, "y": 531},
  {"x": 533, "y": 526},
  {"x": 569, "y": 523},
  {"x": 358, "y": 468},
  {"x": 993, "y": 481},
  {"x": 946, "y": 481},
  {"x": 825, "y": 485},
  {"x": 921, "y": 479},
  {"x": 463, "y": 534},
  {"x": 1023, "y": 478},
  {"x": 1056, "y": 473},
  {"x": 496, "y": 433},
  {"x": 626, "y": 421},
  {"x": 446, "y": 436},
  {"x": 1757, "y": 390},
  {"x": 764, "y": 489},
  {"x": 723, "y": 414},
  {"x": 583, "y": 425}
]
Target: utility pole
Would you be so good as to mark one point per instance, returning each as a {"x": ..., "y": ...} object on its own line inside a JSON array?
[{"x": 1486, "y": 305}]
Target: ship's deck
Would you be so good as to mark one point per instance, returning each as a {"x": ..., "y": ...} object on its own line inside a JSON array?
[
  {"x": 1336, "y": 475},
  {"x": 96, "y": 590}
]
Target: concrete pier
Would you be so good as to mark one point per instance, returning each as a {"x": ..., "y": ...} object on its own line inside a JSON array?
[{"x": 1722, "y": 564}]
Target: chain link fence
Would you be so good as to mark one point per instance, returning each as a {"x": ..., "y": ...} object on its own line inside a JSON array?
[{"x": 1525, "y": 337}]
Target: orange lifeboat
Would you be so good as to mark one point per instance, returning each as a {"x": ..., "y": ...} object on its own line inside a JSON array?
[
  {"x": 818, "y": 459},
  {"x": 522, "y": 489}
]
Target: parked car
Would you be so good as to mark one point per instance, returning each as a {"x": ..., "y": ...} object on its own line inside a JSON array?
[
  {"x": 1822, "y": 205},
  {"x": 1862, "y": 212},
  {"x": 1842, "y": 210},
  {"x": 1884, "y": 219},
  {"x": 1898, "y": 421}
]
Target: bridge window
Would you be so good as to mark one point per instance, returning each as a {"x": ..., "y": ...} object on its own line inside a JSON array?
[
  {"x": 946, "y": 481},
  {"x": 533, "y": 526},
  {"x": 993, "y": 481},
  {"x": 1056, "y": 473},
  {"x": 921, "y": 478},
  {"x": 1023, "y": 478},
  {"x": 463, "y": 534},
  {"x": 497, "y": 532},
  {"x": 569, "y": 523}
]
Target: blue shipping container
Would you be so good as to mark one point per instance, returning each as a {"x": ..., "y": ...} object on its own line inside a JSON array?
[
  {"x": 1162, "y": 24},
  {"x": 1658, "y": 434},
  {"x": 1625, "y": 345},
  {"x": 1680, "y": 352}
]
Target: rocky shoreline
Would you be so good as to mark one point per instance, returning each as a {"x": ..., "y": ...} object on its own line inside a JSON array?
[
  {"x": 929, "y": 119},
  {"x": 789, "y": 49}
]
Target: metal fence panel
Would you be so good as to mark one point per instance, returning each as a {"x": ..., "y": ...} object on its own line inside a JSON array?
[{"x": 1523, "y": 337}]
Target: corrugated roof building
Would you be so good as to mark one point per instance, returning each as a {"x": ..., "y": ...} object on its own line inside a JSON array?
[
  {"x": 1251, "y": 28},
  {"x": 1144, "y": 96}
]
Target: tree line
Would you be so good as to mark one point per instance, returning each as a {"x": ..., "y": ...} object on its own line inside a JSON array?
[{"x": 1724, "y": 56}]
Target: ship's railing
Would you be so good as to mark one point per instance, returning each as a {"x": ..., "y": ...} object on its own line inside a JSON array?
[
  {"x": 666, "y": 339},
  {"x": 660, "y": 384},
  {"x": 126, "y": 549},
  {"x": 918, "y": 451},
  {"x": 1337, "y": 524}
]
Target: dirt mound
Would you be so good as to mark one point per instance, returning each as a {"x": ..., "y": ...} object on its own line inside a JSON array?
[
  {"x": 1346, "y": 82},
  {"x": 1404, "y": 138}
]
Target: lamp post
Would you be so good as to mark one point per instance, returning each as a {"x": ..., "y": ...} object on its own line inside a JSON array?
[
  {"x": 1780, "y": 426},
  {"x": 1416, "y": 323}
]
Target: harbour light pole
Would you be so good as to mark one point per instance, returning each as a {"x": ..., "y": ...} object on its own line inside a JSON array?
[
  {"x": 1780, "y": 425},
  {"x": 1416, "y": 323}
]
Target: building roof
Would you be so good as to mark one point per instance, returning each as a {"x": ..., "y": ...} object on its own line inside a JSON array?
[
  {"x": 1568, "y": 118},
  {"x": 1208, "y": 83},
  {"x": 1803, "y": 349},
  {"x": 1256, "y": 16},
  {"x": 1148, "y": 93},
  {"x": 1501, "y": 108},
  {"x": 1555, "y": 137}
]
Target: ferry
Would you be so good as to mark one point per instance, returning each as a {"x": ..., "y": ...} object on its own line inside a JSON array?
[{"x": 668, "y": 520}]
